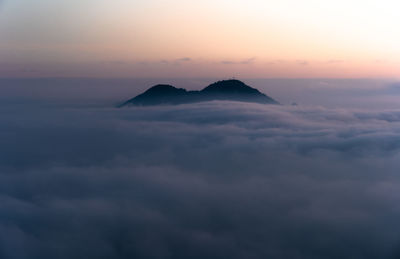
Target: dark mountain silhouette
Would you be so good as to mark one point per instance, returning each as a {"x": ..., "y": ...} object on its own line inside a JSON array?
[{"x": 232, "y": 90}]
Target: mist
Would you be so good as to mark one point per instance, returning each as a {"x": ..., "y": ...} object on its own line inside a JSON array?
[{"x": 82, "y": 179}]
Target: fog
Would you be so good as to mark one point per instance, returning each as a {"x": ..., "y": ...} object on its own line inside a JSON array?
[
  {"x": 82, "y": 179},
  {"x": 331, "y": 93}
]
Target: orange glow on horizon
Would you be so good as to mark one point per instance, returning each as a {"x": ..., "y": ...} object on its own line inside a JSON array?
[{"x": 173, "y": 38}]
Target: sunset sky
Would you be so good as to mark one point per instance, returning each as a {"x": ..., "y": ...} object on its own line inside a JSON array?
[{"x": 209, "y": 38}]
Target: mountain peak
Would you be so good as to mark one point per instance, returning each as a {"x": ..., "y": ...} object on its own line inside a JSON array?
[
  {"x": 231, "y": 86},
  {"x": 164, "y": 89}
]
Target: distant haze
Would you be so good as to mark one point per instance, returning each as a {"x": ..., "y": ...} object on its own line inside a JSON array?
[
  {"x": 331, "y": 93},
  {"x": 219, "y": 38}
]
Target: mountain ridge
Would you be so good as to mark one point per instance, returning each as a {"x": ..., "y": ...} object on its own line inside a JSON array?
[{"x": 228, "y": 90}]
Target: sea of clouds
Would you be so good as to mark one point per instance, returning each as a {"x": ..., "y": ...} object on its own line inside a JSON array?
[{"x": 206, "y": 180}]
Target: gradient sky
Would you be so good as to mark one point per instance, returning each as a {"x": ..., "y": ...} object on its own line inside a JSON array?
[{"x": 209, "y": 38}]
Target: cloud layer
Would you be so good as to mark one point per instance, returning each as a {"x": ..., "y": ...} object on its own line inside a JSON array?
[{"x": 209, "y": 180}]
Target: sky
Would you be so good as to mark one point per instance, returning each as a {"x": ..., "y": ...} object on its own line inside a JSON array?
[{"x": 219, "y": 38}]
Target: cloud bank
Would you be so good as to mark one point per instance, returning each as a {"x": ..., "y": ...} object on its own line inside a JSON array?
[{"x": 208, "y": 180}]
